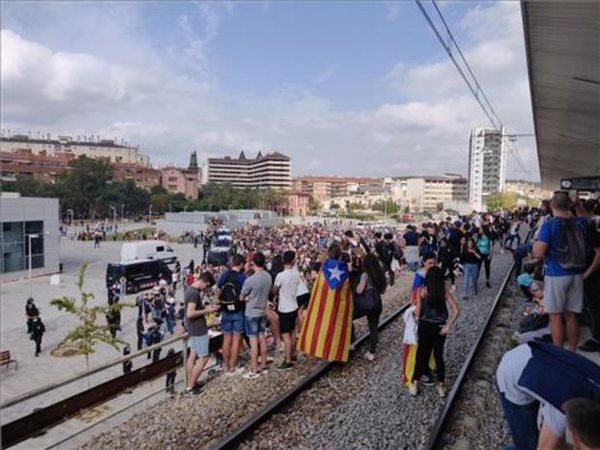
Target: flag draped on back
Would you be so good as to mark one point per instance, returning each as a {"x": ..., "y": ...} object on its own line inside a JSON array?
[{"x": 326, "y": 330}]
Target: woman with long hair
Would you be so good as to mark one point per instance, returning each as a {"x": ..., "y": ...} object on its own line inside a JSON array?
[
  {"x": 470, "y": 259},
  {"x": 435, "y": 322},
  {"x": 371, "y": 285}
]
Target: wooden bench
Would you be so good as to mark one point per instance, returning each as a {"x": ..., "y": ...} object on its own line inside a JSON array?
[{"x": 6, "y": 360}]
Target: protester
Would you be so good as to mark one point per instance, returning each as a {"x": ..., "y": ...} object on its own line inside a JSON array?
[
  {"x": 433, "y": 302},
  {"x": 232, "y": 312},
  {"x": 470, "y": 259},
  {"x": 326, "y": 330},
  {"x": 562, "y": 245},
  {"x": 486, "y": 249},
  {"x": 255, "y": 292},
  {"x": 285, "y": 288},
  {"x": 31, "y": 312},
  {"x": 195, "y": 323},
  {"x": 367, "y": 299}
]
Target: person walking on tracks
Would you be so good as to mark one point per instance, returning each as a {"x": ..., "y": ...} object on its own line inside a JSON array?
[{"x": 435, "y": 321}]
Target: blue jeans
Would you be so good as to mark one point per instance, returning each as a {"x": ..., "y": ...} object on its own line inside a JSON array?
[
  {"x": 522, "y": 422},
  {"x": 170, "y": 321},
  {"x": 470, "y": 277}
]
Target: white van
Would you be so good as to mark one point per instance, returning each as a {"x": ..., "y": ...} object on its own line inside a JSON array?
[{"x": 131, "y": 251}]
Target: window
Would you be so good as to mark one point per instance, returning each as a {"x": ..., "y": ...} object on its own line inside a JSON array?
[{"x": 15, "y": 246}]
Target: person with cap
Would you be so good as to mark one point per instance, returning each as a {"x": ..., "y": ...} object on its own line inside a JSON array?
[{"x": 37, "y": 332}]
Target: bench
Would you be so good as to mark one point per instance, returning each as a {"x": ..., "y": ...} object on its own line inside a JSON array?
[{"x": 6, "y": 360}]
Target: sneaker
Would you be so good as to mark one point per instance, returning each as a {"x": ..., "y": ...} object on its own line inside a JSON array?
[
  {"x": 590, "y": 346},
  {"x": 427, "y": 381},
  {"x": 465, "y": 297},
  {"x": 251, "y": 375},
  {"x": 230, "y": 373},
  {"x": 239, "y": 371},
  {"x": 413, "y": 389},
  {"x": 441, "y": 390},
  {"x": 196, "y": 390},
  {"x": 369, "y": 356},
  {"x": 284, "y": 366}
]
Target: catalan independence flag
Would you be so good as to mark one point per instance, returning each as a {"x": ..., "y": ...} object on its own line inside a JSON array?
[{"x": 326, "y": 330}]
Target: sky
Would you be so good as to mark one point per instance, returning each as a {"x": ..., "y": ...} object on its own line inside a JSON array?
[{"x": 343, "y": 88}]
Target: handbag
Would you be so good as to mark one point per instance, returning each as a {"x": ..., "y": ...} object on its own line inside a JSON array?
[{"x": 366, "y": 303}]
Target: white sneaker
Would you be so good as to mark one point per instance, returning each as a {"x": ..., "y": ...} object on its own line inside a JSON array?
[
  {"x": 369, "y": 356},
  {"x": 251, "y": 375},
  {"x": 441, "y": 390},
  {"x": 413, "y": 389}
]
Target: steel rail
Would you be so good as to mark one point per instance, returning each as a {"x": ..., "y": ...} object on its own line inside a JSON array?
[{"x": 239, "y": 435}]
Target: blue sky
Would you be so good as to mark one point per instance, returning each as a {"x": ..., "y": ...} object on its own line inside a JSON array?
[{"x": 315, "y": 80}]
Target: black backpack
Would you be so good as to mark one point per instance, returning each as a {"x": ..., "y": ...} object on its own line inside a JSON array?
[
  {"x": 571, "y": 251},
  {"x": 230, "y": 294}
]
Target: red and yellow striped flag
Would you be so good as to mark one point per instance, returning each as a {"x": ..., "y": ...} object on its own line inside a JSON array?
[{"x": 327, "y": 328}]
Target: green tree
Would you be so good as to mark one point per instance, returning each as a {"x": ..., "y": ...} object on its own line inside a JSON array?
[
  {"x": 502, "y": 200},
  {"x": 88, "y": 334},
  {"x": 314, "y": 206},
  {"x": 387, "y": 206}
]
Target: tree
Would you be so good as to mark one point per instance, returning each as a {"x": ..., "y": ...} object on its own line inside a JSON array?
[
  {"x": 85, "y": 336},
  {"x": 387, "y": 206},
  {"x": 314, "y": 206},
  {"x": 502, "y": 200},
  {"x": 439, "y": 207}
]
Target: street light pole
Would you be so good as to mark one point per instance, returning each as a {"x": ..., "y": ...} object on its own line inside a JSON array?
[
  {"x": 114, "y": 216},
  {"x": 122, "y": 209},
  {"x": 70, "y": 211},
  {"x": 150, "y": 214},
  {"x": 29, "y": 238}
]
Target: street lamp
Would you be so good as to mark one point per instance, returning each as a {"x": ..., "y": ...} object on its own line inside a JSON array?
[
  {"x": 70, "y": 211},
  {"x": 114, "y": 216},
  {"x": 150, "y": 213},
  {"x": 122, "y": 209}
]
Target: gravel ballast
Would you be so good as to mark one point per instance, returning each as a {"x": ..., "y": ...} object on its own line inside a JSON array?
[
  {"x": 198, "y": 422},
  {"x": 364, "y": 404}
]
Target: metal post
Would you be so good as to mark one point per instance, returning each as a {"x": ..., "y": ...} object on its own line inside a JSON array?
[
  {"x": 150, "y": 214},
  {"x": 184, "y": 359},
  {"x": 29, "y": 238},
  {"x": 122, "y": 209}
]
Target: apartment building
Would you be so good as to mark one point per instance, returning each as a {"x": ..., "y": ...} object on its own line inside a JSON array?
[
  {"x": 271, "y": 171},
  {"x": 326, "y": 188},
  {"x": 426, "y": 193},
  {"x": 487, "y": 165},
  {"x": 178, "y": 180},
  {"x": 92, "y": 147}
]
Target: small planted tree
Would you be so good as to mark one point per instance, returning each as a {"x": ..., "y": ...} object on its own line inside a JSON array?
[{"x": 89, "y": 333}]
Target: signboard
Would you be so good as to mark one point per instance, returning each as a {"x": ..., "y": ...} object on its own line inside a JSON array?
[{"x": 586, "y": 184}]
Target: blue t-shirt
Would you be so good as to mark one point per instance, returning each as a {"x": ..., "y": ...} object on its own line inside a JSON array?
[
  {"x": 240, "y": 277},
  {"x": 484, "y": 244},
  {"x": 411, "y": 238},
  {"x": 549, "y": 234}
]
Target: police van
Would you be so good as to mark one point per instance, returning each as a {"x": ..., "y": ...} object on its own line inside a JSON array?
[{"x": 140, "y": 274}]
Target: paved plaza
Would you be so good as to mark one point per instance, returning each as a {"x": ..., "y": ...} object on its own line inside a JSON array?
[{"x": 34, "y": 372}]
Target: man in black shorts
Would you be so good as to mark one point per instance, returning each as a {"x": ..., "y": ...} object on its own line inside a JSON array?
[{"x": 286, "y": 287}]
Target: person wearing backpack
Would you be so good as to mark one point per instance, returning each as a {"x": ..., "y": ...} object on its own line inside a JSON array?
[
  {"x": 562, "y": 245},
  {"x": 232, "y": 312}
]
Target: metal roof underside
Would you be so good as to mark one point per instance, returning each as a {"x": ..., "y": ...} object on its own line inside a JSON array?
[{"x": 563, "y": 58}]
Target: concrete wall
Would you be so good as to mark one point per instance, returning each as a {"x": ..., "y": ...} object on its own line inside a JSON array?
[{"x": 24, "y": 209}]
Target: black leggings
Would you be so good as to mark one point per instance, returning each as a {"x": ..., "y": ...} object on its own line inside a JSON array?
[
  {"x": 485, "y": 261},
  {"x": 448, "y": 265},
  {"x": 430, "y": 339},
  {"x": 373, "y": 321}
]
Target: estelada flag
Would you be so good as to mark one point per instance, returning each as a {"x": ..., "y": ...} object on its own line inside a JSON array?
[{"x": 327, "y": 327}]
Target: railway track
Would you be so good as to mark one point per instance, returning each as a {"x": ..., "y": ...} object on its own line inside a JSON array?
[{"x": 256, "y": 429}]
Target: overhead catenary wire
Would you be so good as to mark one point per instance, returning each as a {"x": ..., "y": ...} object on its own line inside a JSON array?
[{"x": 469, "y": 78}]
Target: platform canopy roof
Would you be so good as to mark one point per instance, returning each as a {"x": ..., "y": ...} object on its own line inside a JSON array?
[{"x": 562, "y": 39}]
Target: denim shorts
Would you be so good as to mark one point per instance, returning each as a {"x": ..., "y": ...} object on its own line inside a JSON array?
[
  {"x": 199, "y": 345},
  {"x": 232, "y": 322},
  {"x": 256, "y": 325}
]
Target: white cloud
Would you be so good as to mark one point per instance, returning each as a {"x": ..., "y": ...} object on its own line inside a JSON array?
[{"x": 170, "y": 108}]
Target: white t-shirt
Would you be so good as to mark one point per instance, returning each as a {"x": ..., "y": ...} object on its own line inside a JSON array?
[{"x": 287, "y": 282}]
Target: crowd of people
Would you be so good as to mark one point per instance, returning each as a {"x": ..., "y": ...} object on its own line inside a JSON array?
[{"x": 297, "y": 289}]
